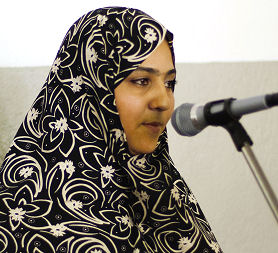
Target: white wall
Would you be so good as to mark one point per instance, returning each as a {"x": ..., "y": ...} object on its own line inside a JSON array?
[
  {"x": 218, "y": 175},
  {"x": 205, "y": 31}
]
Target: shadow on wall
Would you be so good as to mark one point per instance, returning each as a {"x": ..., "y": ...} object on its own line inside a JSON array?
[{"x": 19, "y": 88}]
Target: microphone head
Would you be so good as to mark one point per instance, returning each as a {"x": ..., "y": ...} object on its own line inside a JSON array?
[{"x": 182, "y": 122}]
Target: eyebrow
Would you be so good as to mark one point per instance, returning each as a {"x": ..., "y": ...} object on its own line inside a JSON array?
[{"x": 155, "y": 71}]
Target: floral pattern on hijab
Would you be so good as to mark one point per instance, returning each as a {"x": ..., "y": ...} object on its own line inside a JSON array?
[{"x": 68, "y": 182}]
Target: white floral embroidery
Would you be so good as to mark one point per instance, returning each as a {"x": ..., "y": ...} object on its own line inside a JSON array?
[
  {"x": 26, "y": 172},
  {"x": 76, "y": 84},
  {"x": 96, "y": 251},
  {"x": 17, "y": 214},
  {"x": 185, "y": 244},
  {"x": 32, "y": 114},
  {"x": 91, "y": 54},
  {"x": 55, "y": 65},
  {"x": 61, "y": 125},
  {"x": 192, "y": 198},
  {"x": 74, "y": 204},
  {"x": 58, "y": 229},
  {"x": 127, "y": 221},
  {"x": 143, "y": 196},
  {"x": 150, "y": 35},
  {"x": 215, "y": 246},
  {"x": 175, "y": 193},
  {"x": 140, "y": 227},
  {"x": 119, "y": 134},
  {"x": 141, "y": 162},
  {"x": 136, "y": 250},
  {"x": 102, "y": 19},
  {"x": 107, "y": 172},
  {"x": 67, "y": 166}
]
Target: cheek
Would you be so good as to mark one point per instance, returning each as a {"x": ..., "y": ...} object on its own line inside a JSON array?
[
  {"x": 172, "y": 106},
  {"x": 172, "y": 99},
  {"x": 131, "y": 103},
  {"x": 130, "y": 109}
]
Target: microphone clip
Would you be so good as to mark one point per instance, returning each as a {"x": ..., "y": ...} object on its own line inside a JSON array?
[{"x": 218, "y": 113}]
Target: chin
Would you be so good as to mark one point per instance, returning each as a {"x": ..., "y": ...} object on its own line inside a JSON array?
[{"x": 142, "y": 150}]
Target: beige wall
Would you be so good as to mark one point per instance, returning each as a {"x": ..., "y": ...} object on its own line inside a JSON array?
[
  {"x": 217, "y": 173},
  {"x": 209, "y": 162}
]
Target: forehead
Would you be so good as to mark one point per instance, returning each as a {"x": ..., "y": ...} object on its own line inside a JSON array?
[{"x": 160, "y": 58}]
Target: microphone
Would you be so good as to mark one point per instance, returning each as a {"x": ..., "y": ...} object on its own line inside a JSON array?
[{"x": 190, "y": 119}]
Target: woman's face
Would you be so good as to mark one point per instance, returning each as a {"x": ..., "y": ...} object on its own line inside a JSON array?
[{"x": 145, "y": 100}]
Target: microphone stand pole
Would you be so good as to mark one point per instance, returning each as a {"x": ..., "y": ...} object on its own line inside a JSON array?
[
  {"x": 261, "y": 179},
  {"x": 243, "y": 143}
]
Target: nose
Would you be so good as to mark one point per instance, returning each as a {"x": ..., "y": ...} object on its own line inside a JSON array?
[{"x": 160, "y": 97}]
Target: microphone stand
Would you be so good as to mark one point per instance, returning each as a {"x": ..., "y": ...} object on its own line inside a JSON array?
[
  {"x": 243, "y": 144},
  {"x": 261, "y": 179}
]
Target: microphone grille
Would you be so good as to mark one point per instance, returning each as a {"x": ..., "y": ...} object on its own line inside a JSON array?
[{"x": 181, "y": 120}]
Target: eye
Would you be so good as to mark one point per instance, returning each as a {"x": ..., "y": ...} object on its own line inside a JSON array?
[
  {"x": 141, "y": 81},
  {"x": 171, "y": 84}
]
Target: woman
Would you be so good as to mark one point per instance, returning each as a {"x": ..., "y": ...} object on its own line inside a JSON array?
[{"x": 89, "y": 169}]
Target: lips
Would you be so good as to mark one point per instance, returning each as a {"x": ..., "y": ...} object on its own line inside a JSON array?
[{"x": 155, "y": 127}]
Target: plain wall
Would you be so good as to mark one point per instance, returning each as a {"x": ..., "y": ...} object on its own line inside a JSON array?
[
  {"x": 204, "y": 31},
  {"x": 209, "y": 162},
  {"x": 215, "y": 170}
]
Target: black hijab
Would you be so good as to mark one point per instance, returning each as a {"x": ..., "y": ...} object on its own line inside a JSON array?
[{"x": 68, "y": 182}]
